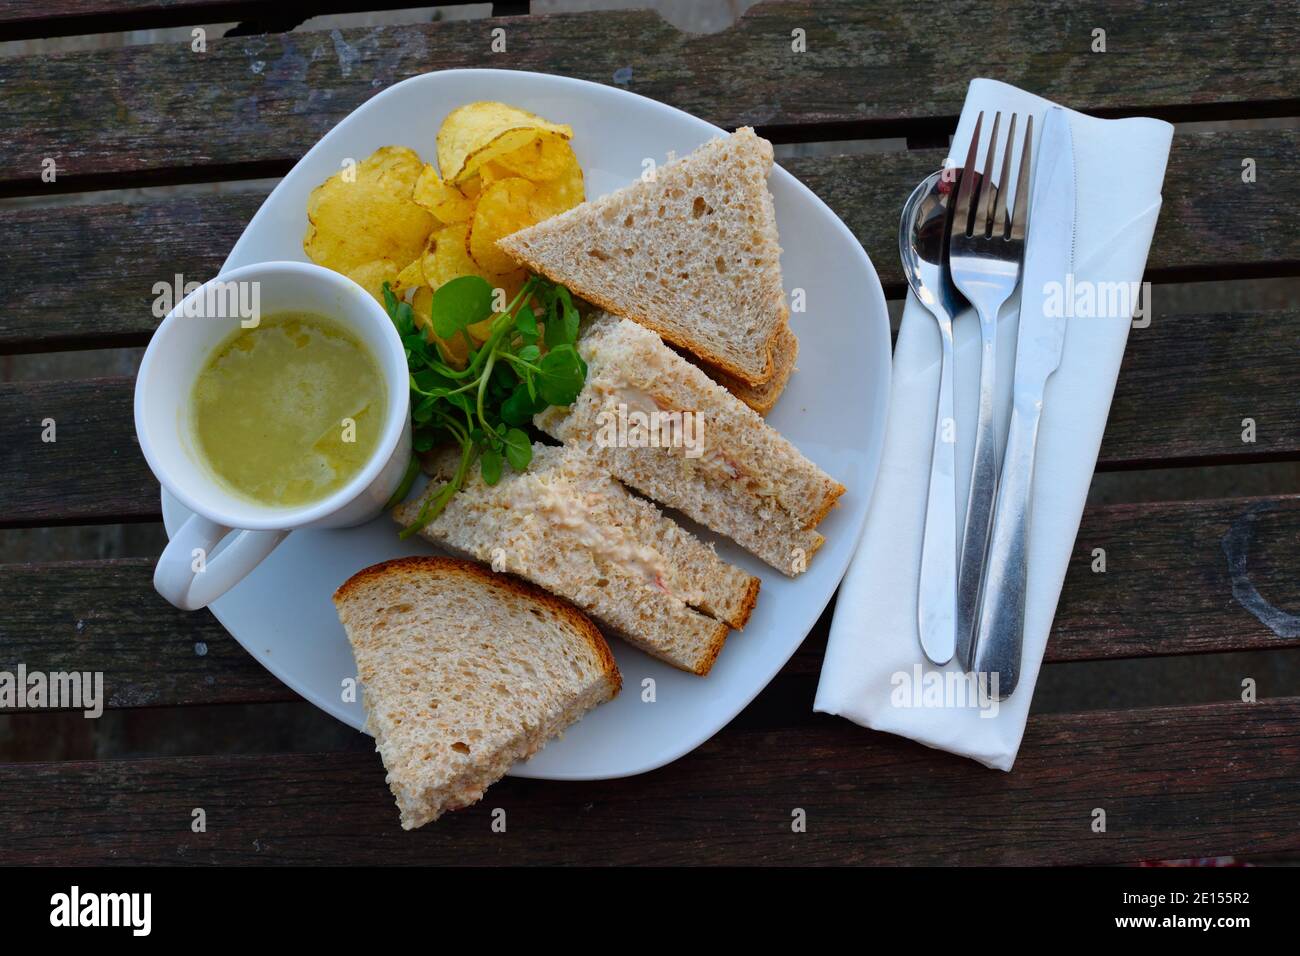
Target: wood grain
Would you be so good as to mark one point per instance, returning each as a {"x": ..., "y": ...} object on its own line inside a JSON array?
[
  {"x": 1187, "y": 383},
  {"x": 105, "y": 616},
  {"x": 23, "y": 19},
  {"x": 1173, "y": 782},
  {"x": 1168, "y": 588},
  {"x": 163, "y": 113},
  {"x": 122, "y": 249},
  {"x": 91, "y": 471},
  {"x": 1180, "y": 578}
]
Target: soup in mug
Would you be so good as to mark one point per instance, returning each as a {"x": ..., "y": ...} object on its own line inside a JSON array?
[{"x": 286, "y": 413}]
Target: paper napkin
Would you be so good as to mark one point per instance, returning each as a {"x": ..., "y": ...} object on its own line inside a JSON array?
[{"x": 875, "y": 672}]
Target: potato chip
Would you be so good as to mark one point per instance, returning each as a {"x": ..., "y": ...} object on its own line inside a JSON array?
[
  {"x": 410, "y": 277},
  {"x": 395, "y": 166},
  {"x": 446, "y": 256},
  {"x": 502, "y": 209},
  {"x": 365, "y": 213},
  {"x": 563, "y": 192},
  {"x": 478, "y": 132},
  {"x": 372, "y": 275},
  {"x": 490, "y": 172},
  {"x": 471, "y": 187},
  {"x": 441, "y": 198},
  {"x": 447, "y": 259},
  {"x": 544, "y": 159}
]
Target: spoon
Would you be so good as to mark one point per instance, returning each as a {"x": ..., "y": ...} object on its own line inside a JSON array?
[{"x": 923, "y": 245}]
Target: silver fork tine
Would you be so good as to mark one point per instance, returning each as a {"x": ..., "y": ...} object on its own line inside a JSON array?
[
  {"x": 1020, "y": 215},
  {"x": 981, "y": 227},
  {"x": 961, "y": 214},
  {"x": 1004, "y": 184}
]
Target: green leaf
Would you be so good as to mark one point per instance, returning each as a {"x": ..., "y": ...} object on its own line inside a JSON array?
[
  {"x": 526, "y": 324},
  {"x": 423, "y": 441},
  {"x": 461, "y": 401},
  {"x": 491, "y": 465},
  {"x": 530, "y": 353},
  {"x": 520, "y": 407},
  {"x": 431, "y": 382},
  {"x": 563, "y": 375},
  {"x": 561, "y": 326},
  {"x": 390, "y": 301},
  {"x": 404, "y": 319},
  {"x": 423, "y": 411},
  {"x": 460, "y": 303},
  {"x": 503, "y": 374},
  {"x": 519, "y": 450}
]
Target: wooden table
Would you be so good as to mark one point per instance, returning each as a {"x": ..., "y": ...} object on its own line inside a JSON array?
[{"x": 1183, "y": 577}]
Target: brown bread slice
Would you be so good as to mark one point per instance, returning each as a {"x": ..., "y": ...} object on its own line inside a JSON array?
[
  {"x": 747, "y": 481},
  {"x": 692, "y": 254},
  {"x": 463, "y": 673}
]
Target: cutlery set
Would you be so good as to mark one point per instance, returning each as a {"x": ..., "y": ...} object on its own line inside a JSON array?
[{"x": 964, "y": 244}]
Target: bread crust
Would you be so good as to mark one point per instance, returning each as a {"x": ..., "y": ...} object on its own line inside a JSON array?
[
  {"x": 711, "y": 653},
  {"x": 517, "y": 586},
  {"x": 762, "y": 398},
  {"x": 832, "y": 496},
  {"x": 741, "y": 618}
]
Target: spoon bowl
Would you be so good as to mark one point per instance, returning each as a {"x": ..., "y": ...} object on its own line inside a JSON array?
[{"x": 923, "y": 244}]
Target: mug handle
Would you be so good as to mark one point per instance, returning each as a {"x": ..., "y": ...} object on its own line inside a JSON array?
[{"x": 176, "y": 578}]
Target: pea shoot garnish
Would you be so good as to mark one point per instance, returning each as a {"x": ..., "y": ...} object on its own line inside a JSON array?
[{"x": 526, "y": 362}]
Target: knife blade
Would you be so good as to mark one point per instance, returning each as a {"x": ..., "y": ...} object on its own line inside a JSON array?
[{"x": 1040, "y": 341}]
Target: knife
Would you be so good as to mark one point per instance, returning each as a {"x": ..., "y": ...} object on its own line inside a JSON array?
[{"x": 1049, "y": 259}]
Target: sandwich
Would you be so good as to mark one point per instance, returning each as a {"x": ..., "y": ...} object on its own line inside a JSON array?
[
  {"x": 761, "y": 398},
  {"x": 566, "y": 525},
  {"x": 463, "y": 673},
  {"x": 691, "y": 253},
  {"x": 664, "y": 428}
]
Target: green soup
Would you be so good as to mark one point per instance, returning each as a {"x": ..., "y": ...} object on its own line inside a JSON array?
[{"x": 288, "y": 412}]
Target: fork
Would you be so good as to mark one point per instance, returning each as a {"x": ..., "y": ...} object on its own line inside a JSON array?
[{"x": 985, "y": 252}]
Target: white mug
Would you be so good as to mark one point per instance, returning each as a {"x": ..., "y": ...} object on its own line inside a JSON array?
[{"x": 189, "y": 574}]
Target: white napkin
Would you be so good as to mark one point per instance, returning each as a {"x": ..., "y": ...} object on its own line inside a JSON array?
[{"x": 875, "y": 673}]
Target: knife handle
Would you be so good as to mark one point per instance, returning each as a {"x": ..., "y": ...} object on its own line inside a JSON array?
[{"x": 1000, "y": 636}]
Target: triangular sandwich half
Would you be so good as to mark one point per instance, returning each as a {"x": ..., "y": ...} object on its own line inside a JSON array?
[
  {"x": 692, "y": 254},
  {"x": 463, "y": 673},
  {"x": 567, "y": 526},
  {"x": 661, "y": 426}
]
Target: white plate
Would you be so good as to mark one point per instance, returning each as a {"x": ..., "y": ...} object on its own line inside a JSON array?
[{"x": 833, "y": 410}]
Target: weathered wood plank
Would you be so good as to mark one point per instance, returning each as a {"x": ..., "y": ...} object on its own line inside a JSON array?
[
  {"x": 1187, "y": 389},
  {"x": 1168, "y": 589},
  {"x": 24, "y": 20},
  {"x": 82, "y": 277},
  {"x": 1180, "y": 578},
  {"x": 105, "y": 616},
  {"x": 68, "y": 454},
  {"x": 158, "y": 113},
  {"x": 122, "y": 249},
  {"x": 1187, "y": 383},
  {"x": 1174, "y": 782},
  {"x": 1212, "y": 225}
]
